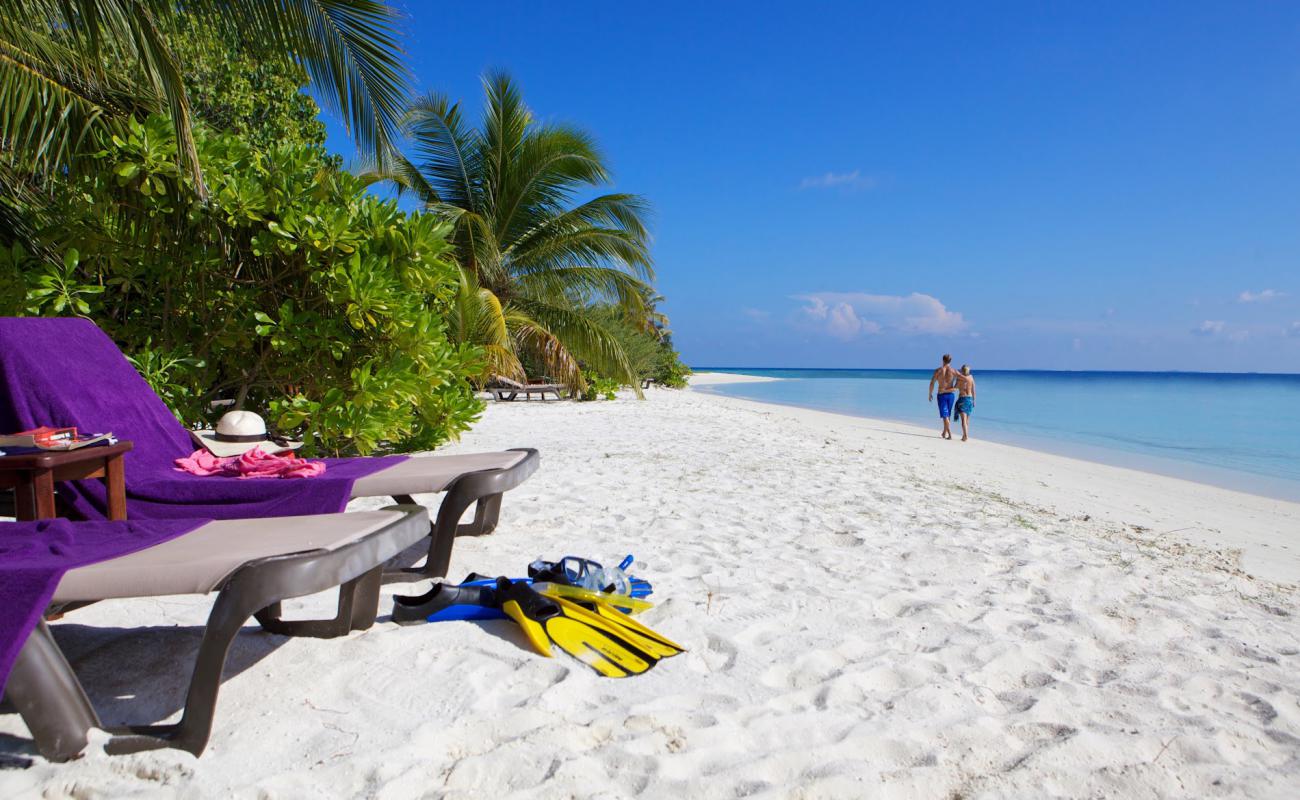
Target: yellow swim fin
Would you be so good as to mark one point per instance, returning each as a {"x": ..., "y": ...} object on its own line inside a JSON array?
[
  {"x": 596, "y": 642},
  {"x": 608, "y": 618}
]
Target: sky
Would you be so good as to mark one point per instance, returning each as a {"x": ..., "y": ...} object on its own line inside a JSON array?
[{"x": 1036, "y": 185}]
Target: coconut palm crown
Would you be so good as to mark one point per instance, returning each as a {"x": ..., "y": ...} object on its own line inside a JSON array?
[
  {"x": 535, "y": 258},
  {"x": 55, "y": 87}
]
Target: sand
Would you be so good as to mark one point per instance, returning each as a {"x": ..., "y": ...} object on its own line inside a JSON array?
[{"x": 870, "y": 612}]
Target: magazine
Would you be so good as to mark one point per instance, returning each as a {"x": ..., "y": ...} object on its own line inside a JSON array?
[{"x": 46, "y": 439}]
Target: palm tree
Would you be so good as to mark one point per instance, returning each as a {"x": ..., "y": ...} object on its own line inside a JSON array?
[
  {"x": 55, "y": 88},
  {"x": 535, "y": 261}
]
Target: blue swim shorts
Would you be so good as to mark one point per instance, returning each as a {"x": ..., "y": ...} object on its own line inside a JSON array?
[
  {"x": 965, "y": 405},
  {"x": 945, "y": 404}
]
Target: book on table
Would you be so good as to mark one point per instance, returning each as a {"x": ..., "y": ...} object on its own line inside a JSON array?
[{"x": 46, "y": 439}]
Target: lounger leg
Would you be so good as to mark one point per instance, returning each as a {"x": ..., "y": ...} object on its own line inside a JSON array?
[
  {"x": 462, "y": 493},
  {"x": 358, "y": 607},
  {"x": 228, "y": 615},
  {"x": 485, "y": 488},
  {"x": 486, "y": 514},
  {"x": 46, "y": 692}
]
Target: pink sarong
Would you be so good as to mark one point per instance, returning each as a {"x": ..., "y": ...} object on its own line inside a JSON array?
[{"x": 256, "y": 463}]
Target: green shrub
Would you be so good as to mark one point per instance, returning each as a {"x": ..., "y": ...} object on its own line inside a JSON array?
[
  {"x": 649, "y": 352},
  {"x": 670, "y": 371},
  {"x": 600, "y": 387},
  {"x": 289, "y": 289}
]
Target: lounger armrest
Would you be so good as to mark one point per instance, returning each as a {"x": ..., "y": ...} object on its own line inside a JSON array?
[{"x": 483, "y": 487}]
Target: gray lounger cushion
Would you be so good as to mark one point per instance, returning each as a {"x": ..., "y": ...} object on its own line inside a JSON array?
[
  {"x": 200, "y": 561},
  {"x": 430, "y": 473}
]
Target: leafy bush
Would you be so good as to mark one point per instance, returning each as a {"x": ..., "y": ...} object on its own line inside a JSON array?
[
  {"x": 670, "y": 371},
  {"x": 290, "y": 289},
  {"x": 600, "y": 388},
  {"x": 650, "y": 352}
]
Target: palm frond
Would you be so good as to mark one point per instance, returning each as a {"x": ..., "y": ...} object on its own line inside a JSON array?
[
  {"x": 445, "y": 151},
  {"x": 54, "y": 90},
  {"x": 505, "y": 123},
  {"x": 584, "y": 339},
  {"x": 587, "y": 285},
  {"x": 477, "y": 317},
  {"x": 611, "y": 226},
  {"x": 349, "y": 48},
  {"x": 536, "y": 339},
  {"x": 551, "y": 164},
  {"x": 392, "y": 167}
]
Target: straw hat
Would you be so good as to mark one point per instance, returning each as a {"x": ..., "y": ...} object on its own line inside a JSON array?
[{"x": 238, "y": 432}]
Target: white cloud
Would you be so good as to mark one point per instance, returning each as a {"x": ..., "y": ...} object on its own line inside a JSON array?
[
  {"x": 848, "y": 315},
  {"x": 1262, "y": 296},
  {"x": 1217, "y": 328},
  {"x": 845, "y": 180},
  {"x": 756, "y": 314},
  {"x": 1294, "y": 330}
]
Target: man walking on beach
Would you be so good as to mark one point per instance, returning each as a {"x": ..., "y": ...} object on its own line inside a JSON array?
[
  {"x": 946, "y": 377},
  {"x": 965, "y": 399}
]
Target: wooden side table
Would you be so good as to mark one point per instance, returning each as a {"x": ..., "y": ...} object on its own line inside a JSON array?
[{"x": 32, "y": 476}]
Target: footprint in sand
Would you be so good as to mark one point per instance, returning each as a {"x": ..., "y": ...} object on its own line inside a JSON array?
[
  {"x": 719, "y": 655},
  {"x": 1017, "y": 702}
]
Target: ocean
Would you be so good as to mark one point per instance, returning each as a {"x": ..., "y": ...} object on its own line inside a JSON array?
[{"x": 1239, "y": 431}]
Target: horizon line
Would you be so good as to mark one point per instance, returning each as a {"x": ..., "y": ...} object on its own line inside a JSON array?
[{"x": 1022, "y": 369}]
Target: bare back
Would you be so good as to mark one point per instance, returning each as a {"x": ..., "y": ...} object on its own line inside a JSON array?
[
  {"x": 946, "y": 377},
  {"x": 965, "y": 384}
]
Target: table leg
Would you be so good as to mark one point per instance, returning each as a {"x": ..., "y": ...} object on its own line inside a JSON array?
[
  {"x": 36, "y": 498},
  {"x": 115, "y": 480},
  {"x": 24, "y": 498}
]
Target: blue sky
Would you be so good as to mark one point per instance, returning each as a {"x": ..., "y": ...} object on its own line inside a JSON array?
[{"x": 1026, "y": 185}]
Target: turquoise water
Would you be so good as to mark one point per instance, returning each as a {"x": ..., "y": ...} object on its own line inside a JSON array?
[{"x": 1241, "y": 431}]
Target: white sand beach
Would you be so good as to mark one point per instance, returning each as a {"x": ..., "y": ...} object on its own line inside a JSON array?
[{"x": 869, "y": 611}]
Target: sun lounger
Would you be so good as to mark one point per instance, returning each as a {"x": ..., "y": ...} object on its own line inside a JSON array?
[
  {"x": 252, "y": 565},
  {"x": 505, "y": 389},
  {"x": 67, "y": 371}
]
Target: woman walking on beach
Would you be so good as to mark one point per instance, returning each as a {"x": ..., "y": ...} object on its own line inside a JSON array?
[{"x": 965, "y": 399}]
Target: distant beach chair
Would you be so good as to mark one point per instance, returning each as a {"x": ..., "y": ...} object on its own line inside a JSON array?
[
  {"x": 67, "y": 371},
  {"x": 252, "y": 565},
  {"x": 504, "y": 389},
  {"x": 646, "y": 382}
]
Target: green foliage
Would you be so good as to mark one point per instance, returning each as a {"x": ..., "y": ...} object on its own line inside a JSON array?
[
  {"x": 649, "y": 350},
  {"x": 59, "y": 289},
  {"x": 13, "y": 288},
  {"x": 599, "y": 388},
  {"x": 510, "y": 189},
  {"x": 670, "y": 372},
  {"x": 167, "y": 373},
  {"x": 234, "y": 88},
  {"x": 290, "y": 289},
  {"x": 71, "y": 71}
]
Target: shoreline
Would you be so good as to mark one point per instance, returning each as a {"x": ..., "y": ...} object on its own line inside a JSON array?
[
  {"x": 1237, "y": 480},
  {"x": 1265, "y": 529}
]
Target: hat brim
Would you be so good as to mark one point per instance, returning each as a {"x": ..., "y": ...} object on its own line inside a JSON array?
[{"x": 208, "y": 441}]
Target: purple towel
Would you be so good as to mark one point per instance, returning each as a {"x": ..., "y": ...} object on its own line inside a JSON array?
[
  {"x": 34, "y": 556},
  {"x": 66, "y": 371}
]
